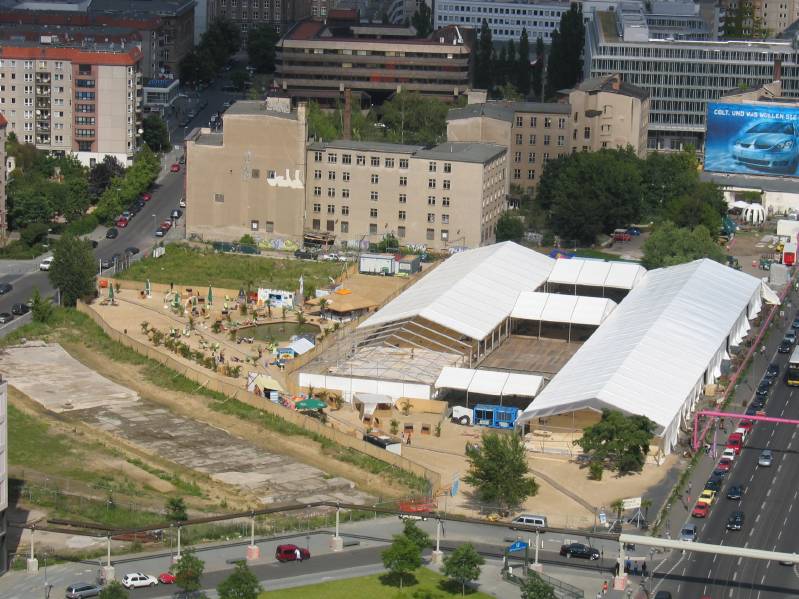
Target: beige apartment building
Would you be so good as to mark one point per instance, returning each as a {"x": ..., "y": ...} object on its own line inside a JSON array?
[
  {"x": 443, "y": 197},
  {"x": 603, "y": 112},
  {"x": 81, "y": 100},
  {"x": 249, "y": 179},
  {"x": 3, "y": 211}
]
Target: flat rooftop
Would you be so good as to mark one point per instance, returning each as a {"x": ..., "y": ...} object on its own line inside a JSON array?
[
  {"x": 531, "y": 355},
  {"x": 463, "y": 152},
  {"x": 256, "y": 107},
  {"x": 365, "y": 146},
  {"x": 209, "y": 139}
]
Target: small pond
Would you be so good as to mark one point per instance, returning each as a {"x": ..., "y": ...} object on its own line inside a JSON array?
[{"x": 278, "y": 331}]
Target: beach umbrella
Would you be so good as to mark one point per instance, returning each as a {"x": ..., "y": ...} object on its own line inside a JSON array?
[
  {"x": 310, "y": 404},
  {"x": 210, "y": 295}
]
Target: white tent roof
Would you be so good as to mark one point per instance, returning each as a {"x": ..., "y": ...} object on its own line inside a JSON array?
[
  {"x": 489, "y": 382},
  {"x": 787, "y": 228},
  {"x": 596, "y": 273},
  {"x": 301, "y": 346},
  {"x": 472, "y": 291},
  {"x": 553, "y": 307},
  {"x": 647, "y": 357}
]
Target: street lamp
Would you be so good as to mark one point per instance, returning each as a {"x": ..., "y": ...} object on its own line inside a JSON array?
[{"x": 154, "y": 219}]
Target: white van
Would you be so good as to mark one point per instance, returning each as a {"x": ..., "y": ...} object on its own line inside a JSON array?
[{"x": 529, "y": 520}]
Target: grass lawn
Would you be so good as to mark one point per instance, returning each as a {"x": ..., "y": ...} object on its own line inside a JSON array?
[
  {"x": 427, "y": 584},
  {"x": 183, "y": 265}
]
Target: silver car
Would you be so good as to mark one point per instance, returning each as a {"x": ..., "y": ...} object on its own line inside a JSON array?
[
  {"x": 80, "y": 590},
  {"x": 688, "y": 533},
  {"x": 766, "y": 457}
]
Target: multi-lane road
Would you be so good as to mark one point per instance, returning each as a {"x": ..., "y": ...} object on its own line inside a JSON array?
[
  {"x": 771, "y": 523},
  {"x": 140, "y": 233}
]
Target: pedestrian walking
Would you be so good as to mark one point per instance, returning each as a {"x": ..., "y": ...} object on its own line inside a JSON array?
[
  {"x": 635, "y": 568},
  {"x": 604, "y": 587},
  {"x": 643, "y": 569},
  {"x": 298, "y": 555},
  {"x": 616, "y": 569},
  {"x": 628, "y": 565}
]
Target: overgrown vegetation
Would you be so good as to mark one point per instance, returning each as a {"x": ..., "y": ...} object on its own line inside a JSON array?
[
  {"x": 618, "y": 441},
  {"x": 220, "y": 41},
  {"x": 498, "y": 470}
]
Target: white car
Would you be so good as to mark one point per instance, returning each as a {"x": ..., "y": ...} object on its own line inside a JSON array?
[
  {"x": 729, "y": 453},
  {"x": 182, "y": 202},
  {"x": 46, "y": 263},
  {"x": 136, "y": 580}
]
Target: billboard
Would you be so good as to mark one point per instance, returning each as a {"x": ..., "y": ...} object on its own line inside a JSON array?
[{"x": 752, "y": 139}]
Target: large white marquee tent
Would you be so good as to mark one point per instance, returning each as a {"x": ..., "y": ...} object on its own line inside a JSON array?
[{"x": 655, "y": 352}]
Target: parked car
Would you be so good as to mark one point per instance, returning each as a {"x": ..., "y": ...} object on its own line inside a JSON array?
[
  {"x": 19, "y": 309},
  {"x": 136, "y": 580},
  {"x": 6, "y": 317},
  {"x": 175, "y": 168},
  {"x": 146, "y": 196},
  {"x": 112, "y": 233},
  {"x": 176, "y": 213},
  {"x": 81, "y": 590},
  {"x": 166, "y": 578},
  {"x": 167, "y": 224},
  {"x": 5, "y": 288},
  {"x": 729, "y": 453},
  {"x": 790, "y": 336},
  {"x": 122, "y": 222},
  {"x": 182, "y": 160},
  {"x": 182, "y": 202},
  {"x": 763, "y": 389},
  {"x": 621, "y": 235},
  {"x": 688, "y": 533},
  {"x": 106, "y": 263},
  {"x": 304, "y": 254},
  {"x": 766, "y": 458},
  {"x": 714, "y": 484},
  {"x": 735, "y": 492},
  {"x": 127, "y": 214},
  {"x": 579, "y": 550},
  {"x": 46, "y": 263},
  {"x": 735, "y": 442},
  {"x": 784, "y": 347},
  {"x": 160, "y": 231},
  {"x": 735, "y": 521},
  {"x": 707, "y": 496},
  {"x": 634, "y": 231},
  {"x": 772, "y": 372},
  {"x": 700, "y": 510},
  {"x": 131, "y": 251},
  {"x": 288, "y": 553}
]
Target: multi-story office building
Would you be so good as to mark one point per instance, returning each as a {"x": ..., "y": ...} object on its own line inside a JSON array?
[
  {"x": 165, "y": 27},
  {"x": 681, "y": 76},
  {"x": 505, "y": 18},
  {"x": 3, "y": 211},
  {"x": 249, "y": 14},
  {"x": 450, "y": 195},
  {"x": 250, "y": 178},
  {"x": 318, "y": 59},
  {"x": 82, "y": 99}
]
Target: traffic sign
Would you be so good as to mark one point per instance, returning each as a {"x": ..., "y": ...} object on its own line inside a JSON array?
[{"x": 517, "y": 546}]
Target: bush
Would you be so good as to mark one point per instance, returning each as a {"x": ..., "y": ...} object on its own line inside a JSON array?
[
  {"x": 596, "y": 469},
  {"x": 82, "y": 226},
  {"x": 33, "y": 233},
  {"x": 247, "y": 239}
]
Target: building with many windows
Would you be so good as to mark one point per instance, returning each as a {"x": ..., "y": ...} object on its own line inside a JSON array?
[
  {"x": 447, "y": 196},
  {"x": 84, "y": 100},
  {"x": 318, "y": 59},
  {"x": 682, "y": 76},
  {"x": 505, "y": 18},
  {"x": 249, "y": 14}
]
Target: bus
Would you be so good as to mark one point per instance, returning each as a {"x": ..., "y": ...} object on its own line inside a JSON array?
[{"x": 792, "y": 376}]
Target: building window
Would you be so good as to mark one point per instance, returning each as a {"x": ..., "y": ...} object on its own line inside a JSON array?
[
  {"x": 317, "y": 175},
  {"x": 331, "y": 175},
  {"x": 561, "y": 140},
  {"x": 519, "y": 139},
  {"x": 431, "y": 183},
  {"x": 431, "y": 218},
  {"x": 346, "y": 159},
  {"x": 375, "y": 179},
  {"x": 372, "y": 229},
  {"x": 400, "y": 232},
  {"x": 345, "y": 176},
  {"x": 519, "y": 121},
  {"x": 446, "y": 184},
  {"x": 331, "y": 208},
  {"x": 317, "y": 156},
  {"x": 533, "y": 121},
  {"x": 587, "y": 133},
  {"x": 345, "y": 226},
  {"x": 444, "y": 234},
  {"x": 345, "y": 193},
  {"x": 256, "y": 173},
  {"x": 389, "y": 163},
  {"x": 360, "y": 159},
  {"x": 345, "y": 210},
  {"x": 375, "y": 161},
  {"x": 332, "y": 158},
  {"x": 373, "y": 196},
  {"x": 531, "y": 174},
  {"x": 317, "y": 191},
  {"x": 219, "y": 197},
  {"x": 372, "y": 212},
  {"x": 561, "y": 123},
  {"x": 517, "y": 157},
  {"x": 401, "y": 215},
  {"x": 331, "y": 225},
  {"x": 546, "y": 156},
  {"x": 270, "y": 227},
  {"x": 431, "y": 234},
  {"x": 317, "y": 207},
  {"x": 316, "y": 224},
  {"x": 431, "y": 200},
  {"x": 403, "y": 199},
  {"x": 517, "y": 173},
  {"x": 254, "y": 225},
  {"x": 547, "y": 122},
  {"x": 447, "y": 167},
  {"x": 445, "y": 201},
  {"x": 604, "y": 144},
  {"x": 546, "y": 140},
  {"x": 403, "y": 163},
  {"x": 445, "y": 219},
  {"x": 431, "y": 167}
]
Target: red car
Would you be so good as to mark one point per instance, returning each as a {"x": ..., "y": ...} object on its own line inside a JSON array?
[
  {"x": 724, "y": 465},
  {"x": 146, "y": 197},
  {"x": 122, "y": 222},
  {"x": 288, "y": 553},
  {"x": 167, "y": 224},
  {"x": 166, "y": 578},
  {"x": 735, "y": 441},
  {"x": 700, "y": 510},
  {"x": 175, "y": 168}
]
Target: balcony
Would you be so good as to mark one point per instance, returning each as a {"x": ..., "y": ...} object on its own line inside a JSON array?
[
  {"x": 42, "y": 126},
  {"x": 43, "y": 102},
  {"x": 43, "y": 90},
  {"x": 43, "y": 78}
]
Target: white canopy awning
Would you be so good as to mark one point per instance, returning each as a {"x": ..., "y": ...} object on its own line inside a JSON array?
[
  {"x": 489, "y": 382},
  {"x": 370, "y": 401},
  {"x": 570, "y": 309},
  {"x": 596, "y": 273}
]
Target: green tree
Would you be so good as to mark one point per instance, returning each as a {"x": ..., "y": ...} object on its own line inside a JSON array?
[
  {"x": 484, "y": 59},
  {"x": 241, "y": 584},
  {"x": 565, "y": 64},
  {"x": 402, "y": 557},
  {"x": 176, "y": 509},
  {"x": 509, "y": 227},
  {"x": 239, "y": 79},
  {"x": 538, "y": 68},
  {"x": 742, "y": 22},
  {"x": 619, "y": 439},
  {"x": 34, "y": 233},
  {"x": 669, "y": 245},
  {"x": 261, "y": 44},
  {"x": 499, "y": 75},
  {"x": 705, "y": 206},
  {"x": 534, "y": 587},
  {"x": 422, "y": 20},
  {"x": 156, "y": 134},
  {"x": 498, "y": 470},
  {"x": 410, "y": 117},
  {"x": 463, "y": 565},
  {"x": 194, "y": 70},
  {"x": 188, "y": 571},
  {"x": 73, "y": 269},
  {"x": 113, "y": 590},
  {"x": 320, "y": 124},
  {"x": 101, "y": 174},
  {"x": 523, "y": 73},
  {"x": 42, "y": 309},
  {"x": 508, "y": 92},
  {"x": 665, "y": 177},
  {"x": 419, "y": 537}
]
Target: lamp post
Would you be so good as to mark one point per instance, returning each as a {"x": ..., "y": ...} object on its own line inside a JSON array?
[{"x": 154, "y": 220}]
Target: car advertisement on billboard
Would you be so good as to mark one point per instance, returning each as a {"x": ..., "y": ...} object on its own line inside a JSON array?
[{"x": 752, "y": 139}]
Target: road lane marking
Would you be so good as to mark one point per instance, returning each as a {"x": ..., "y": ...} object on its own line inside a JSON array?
[
  {"x": 757, "y": 519},
  {"x": 739, "y": 560},
  {"x": 768, "y": 493},
  {"x": 779, "y": 467},
  {"x": 779, "y": 536},
  {"x": 735, "y": 575}
]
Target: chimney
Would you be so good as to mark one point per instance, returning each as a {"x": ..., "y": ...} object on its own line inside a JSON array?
[
  {"x": 777, "y": 69},
  {"x": 347, "y": 124}
]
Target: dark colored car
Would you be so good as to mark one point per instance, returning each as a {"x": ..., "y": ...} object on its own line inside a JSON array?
[
  {"x": 758, "y": 402},
  {"x": 762, "y": 389},
  {"x": 106, "y": 263},
  {"x": 785, "y": 347},
  {"x": 735, "y": 492},
  {"x": 6, "y": 317},
  {"x": 20, "y": 309},
  {"x": 751, "y": 411},
  {"x": 5, "y": 288},
  {"x": 132, "y": 251},
  {"x": 305, "y": 254},
  {"x": 714, "y": 484},
  {"x": 182, "y": 160},
  {"x": 83, "y": 589},
  {"x": 772, "y": 372},
  {"x": 735, "y": 521},
  {"x": 662, "y": 595},
  {"x": 176, "y": 213},
  {"x": 579, "y": 550},
  {"x": 112, "y": 233},
  {"x": 288, "y": 553}
]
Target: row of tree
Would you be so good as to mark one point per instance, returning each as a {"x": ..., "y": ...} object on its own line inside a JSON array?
[
  {"x": 216, "y": 46},
  {"x": 124, "y": 189}
]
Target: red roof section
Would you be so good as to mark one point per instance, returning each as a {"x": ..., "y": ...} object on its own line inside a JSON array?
[
  {"x": 306, "y": 30},
  {"x": 125, "y": 57},
  {"x": 80, "y": 20},
  {"x": 3, "y": 121}
]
